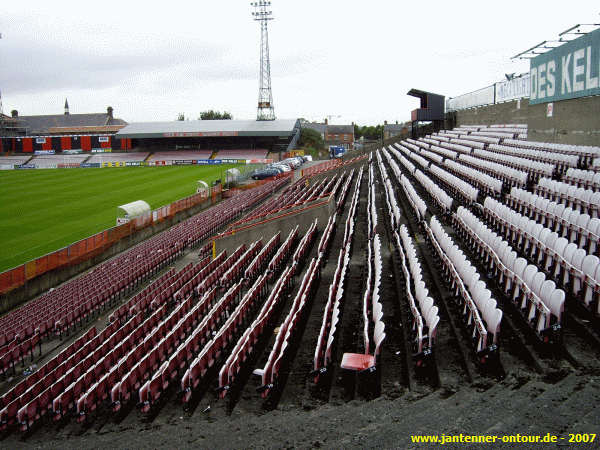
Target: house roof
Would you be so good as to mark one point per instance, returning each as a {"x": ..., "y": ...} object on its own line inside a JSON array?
[
  {"x": 339, "y": 129},
  {"x": 209, "y": 128},
  {"x": 43, "y": 124},
  {"x": 319, "y": 127}
]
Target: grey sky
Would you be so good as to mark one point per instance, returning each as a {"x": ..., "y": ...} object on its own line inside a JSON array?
[{"x": 352, "y": 58}]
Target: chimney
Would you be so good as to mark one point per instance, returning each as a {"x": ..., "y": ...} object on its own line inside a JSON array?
[
  {"x": 14, "y": 113},
  {"x": 109, "y": 111},
  {"x": 66, "y": 107}
]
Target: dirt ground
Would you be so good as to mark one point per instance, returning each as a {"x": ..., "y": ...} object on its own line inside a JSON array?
[{"x": 532, "y": 393}]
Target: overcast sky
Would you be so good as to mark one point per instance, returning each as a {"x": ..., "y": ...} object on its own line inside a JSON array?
[{"x": 355, "y": 59}]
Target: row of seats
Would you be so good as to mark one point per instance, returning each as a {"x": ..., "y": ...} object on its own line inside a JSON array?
[
  {"x": 214, "y": 278},
  {"x": 150, "y": 391},
  {"x": 483, "y": 181},
  {"x": 536, "y": 298},
  {"x": 414, "y": 154},
  {"x": 114, "y": 361},
  {"x": 424, "y": 336},
  {"x": 405, "y": 162},
  {"x": 414, "y": 199},
  {"x": 288, "y": 328},
  {"x": 214, "y": 348},
  {"x": 188, "y": 287},
  {"x": 274, "y": 203},
  {"x": 535, "y": 169},
  {"x": 331, "y": 314},
  {"x": 585, "y": 201},
  {"x": 586, "y": 153},
  {"x": 480, "y": 315},
  {"x": 247, "y": 342},
  {"x": 74, "y": 374},
  {"x": 282, "y": 253},
  {"x": 424, "y": 312},
  {"x": 24, "y": 391},
  {"x": 443, "y": 152},
  {"x": 455, "y": 184},
  {"x": 573, "y": 268},
  {"x": 144, "y": 297},
  {"x": 509, "y": 175},
  {"x": 441, "y": 197},
  {"x": 342, "y": 197},
  {"x": 560, "y": 160},
  {"x": 266, "y": 253},
  {"x": 16, "y": 351},
  {"x": 372, "y": 314},
  {"x": 567, "y": 222},
  {"x": 390, "y": 196},
  {"x": 305, "y": 243},
  {"x": 237, "y": 268},
  {"x": 587, "y": 179},
  {"x": 371, "y": 206},
  {"x": 325, "y": 240}
]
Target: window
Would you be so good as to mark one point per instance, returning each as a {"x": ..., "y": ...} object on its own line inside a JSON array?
[{"x": 346, "y": 137}]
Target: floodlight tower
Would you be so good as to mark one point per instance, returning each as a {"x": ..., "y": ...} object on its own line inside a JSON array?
[{"x": 265, "y": 110}]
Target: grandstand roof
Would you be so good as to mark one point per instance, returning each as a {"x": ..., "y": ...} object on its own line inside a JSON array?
[
  {"x": 208, "y": 128},
  {"x": 45, "y": 124}
]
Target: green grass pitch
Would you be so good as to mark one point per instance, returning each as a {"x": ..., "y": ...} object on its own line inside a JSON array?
[{"x": 47, "y": 209}]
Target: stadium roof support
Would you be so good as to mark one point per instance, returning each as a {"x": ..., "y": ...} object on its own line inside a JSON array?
[{"x": 134, "y": 209}]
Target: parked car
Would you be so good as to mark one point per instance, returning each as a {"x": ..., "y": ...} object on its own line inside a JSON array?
[{"x": 261, "y": 174}]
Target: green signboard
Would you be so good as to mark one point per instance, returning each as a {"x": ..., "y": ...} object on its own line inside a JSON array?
[{"x": 569, "y": 71}]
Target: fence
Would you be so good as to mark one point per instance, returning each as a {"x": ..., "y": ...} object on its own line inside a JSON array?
[{"x": 95, "y": 245}]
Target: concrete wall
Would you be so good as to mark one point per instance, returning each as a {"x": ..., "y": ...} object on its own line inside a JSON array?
[
  {"x": 574, "y": 121},
  {"x": 51, "y": 279}
]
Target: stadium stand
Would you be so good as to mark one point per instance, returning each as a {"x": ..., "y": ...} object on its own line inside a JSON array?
[
  {"x": 117, "y": 157},
  {"x": 180, "y": 155},
  {"x": 242, "y": 154},
  {"x": 54, "y": 161}
]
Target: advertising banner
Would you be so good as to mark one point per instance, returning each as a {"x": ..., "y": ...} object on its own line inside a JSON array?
[
  {"x": 569, "y": 71},
  {"x": 25, "y": 166},
  {"x": 182, "y": 162},
  {"x": 72, "y": 152},
  {"x": 513, "y": 89},
  {"x": 101, "y": 150},
  {"x": 40, "y": 140},
  {"x": 133, "y": 163},
  {"x": 44, "y": 152},
  {"x": 89, "y": 165},
  {"x": 259, "y": 161},
  {"x": 480, "y": 97}
]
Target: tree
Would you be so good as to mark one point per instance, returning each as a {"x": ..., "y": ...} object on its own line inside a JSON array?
[
  {"x": 215, "y": 115},
  {"x": 310, "y": 138}
]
